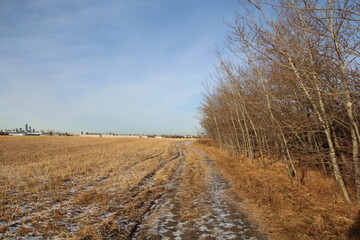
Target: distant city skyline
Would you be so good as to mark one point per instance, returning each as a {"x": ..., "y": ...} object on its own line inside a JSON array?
[
  {"x": 109, "y": 66},
  {"x": 28, "y": 130}
]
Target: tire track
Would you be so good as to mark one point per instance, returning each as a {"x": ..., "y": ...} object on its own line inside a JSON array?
[
  {"x": 149, "y": 178},
  {"x": 142, "y": 161},
  {"x": 219, "y": 217},
  {"x": 225, "y": 220},
  {"x": 161, "y": 219},
  {"x": 144, "y": 196}
]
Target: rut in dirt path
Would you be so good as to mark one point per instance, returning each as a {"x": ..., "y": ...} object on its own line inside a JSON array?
[
  {"x": 147, "y": 194},
  {"x": 220, "y": 217},
  {"x": 225, "y": 219},
  {"x": 161, "y": 219}
]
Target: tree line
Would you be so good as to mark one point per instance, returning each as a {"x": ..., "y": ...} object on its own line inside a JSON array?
[{"x": 287, "y": 87}]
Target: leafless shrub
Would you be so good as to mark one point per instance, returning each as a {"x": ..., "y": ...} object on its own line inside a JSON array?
[{"x": 291, "y": 89}]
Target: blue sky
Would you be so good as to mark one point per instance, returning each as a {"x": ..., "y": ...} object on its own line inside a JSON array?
[{"x": 122, "y": 66}]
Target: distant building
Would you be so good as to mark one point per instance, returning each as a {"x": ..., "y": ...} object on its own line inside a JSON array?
[
  {"x": 32, "y": 134},
  {"x": 16, "y": 134},
  {"x": 26, "y": 127}
]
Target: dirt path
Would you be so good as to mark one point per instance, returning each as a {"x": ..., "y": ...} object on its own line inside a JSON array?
[
  {"x": 123, "y": 190},
  {"x": 214, "y": 214}
]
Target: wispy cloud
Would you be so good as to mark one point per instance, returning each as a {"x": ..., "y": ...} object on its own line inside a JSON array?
[{"x": 125, "y": 66}]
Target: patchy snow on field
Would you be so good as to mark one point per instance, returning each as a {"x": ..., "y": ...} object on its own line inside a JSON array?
[
  {"x": 223, "y": 218},
  {"x": 158, "y": 203}
]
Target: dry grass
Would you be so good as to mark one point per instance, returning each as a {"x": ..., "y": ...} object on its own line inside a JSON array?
[
  {"x": 193, "y": 186},
  {"x": 98, "y": 188},
  {"x": 74, "y": 188},
  {"x": 314, "y": 210}
]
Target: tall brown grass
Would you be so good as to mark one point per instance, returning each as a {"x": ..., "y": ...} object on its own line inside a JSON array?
[{"x": 312, "y": 210}]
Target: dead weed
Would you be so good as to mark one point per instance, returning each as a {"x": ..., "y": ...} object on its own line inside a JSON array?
[{"x": 313, "y": 210}]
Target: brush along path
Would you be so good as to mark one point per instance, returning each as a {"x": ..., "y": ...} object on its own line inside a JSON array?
[{"x": 195, "y": 205}]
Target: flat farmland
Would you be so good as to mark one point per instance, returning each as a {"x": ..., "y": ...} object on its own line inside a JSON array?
[{"x": 114, "y": 188}]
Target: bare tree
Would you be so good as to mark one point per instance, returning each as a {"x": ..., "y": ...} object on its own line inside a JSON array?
[{"x": 294, "y": 92}]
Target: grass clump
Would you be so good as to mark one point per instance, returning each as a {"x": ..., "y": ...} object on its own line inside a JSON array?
[{"x": 311, "y": 210}]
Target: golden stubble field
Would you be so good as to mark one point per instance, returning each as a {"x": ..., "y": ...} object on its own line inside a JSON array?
[
  {"x": 114, "y": 188},
  {"x": 72, "y": 187}
]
